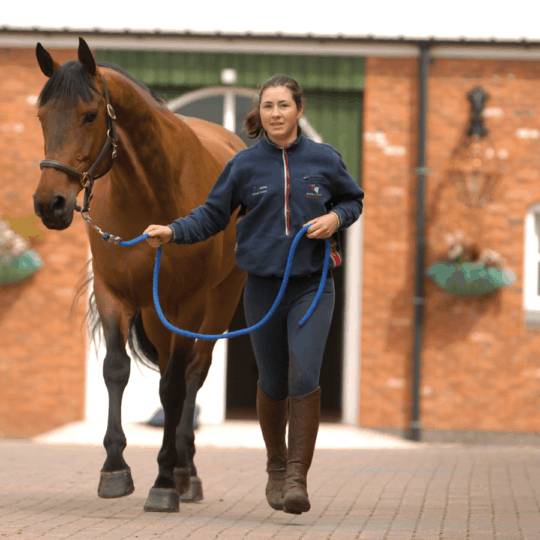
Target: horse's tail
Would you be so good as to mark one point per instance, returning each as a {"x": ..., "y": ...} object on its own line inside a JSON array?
[
  {"x": 143, "y": 350},
  {"x": 141, "y": 347},
  {"x": 91, "y": 317}
]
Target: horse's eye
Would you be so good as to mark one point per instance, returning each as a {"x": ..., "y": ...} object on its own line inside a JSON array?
[{"x": 89, "y": 117}]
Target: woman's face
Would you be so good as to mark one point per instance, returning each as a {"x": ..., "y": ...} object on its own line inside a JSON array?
[{"x": 280, "y": 115}]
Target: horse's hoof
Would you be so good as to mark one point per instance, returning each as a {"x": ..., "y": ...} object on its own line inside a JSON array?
[
  {"x": 115, "y": 484},
  {"x": 181, "y": 479},
  {"x": 194, "y": 493},
  {"x": 162, "y": 500}
]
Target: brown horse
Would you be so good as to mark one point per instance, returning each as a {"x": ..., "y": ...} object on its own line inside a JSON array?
[{"x": 165, "y": 167}]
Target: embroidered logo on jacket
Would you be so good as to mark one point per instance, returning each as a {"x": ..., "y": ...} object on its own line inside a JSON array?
[
  {"x": 315, "y": 193},
  {"x": 259, "y": 190}
]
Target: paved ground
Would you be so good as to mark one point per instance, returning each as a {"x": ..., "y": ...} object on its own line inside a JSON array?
[{"x": 381, "y": 489}]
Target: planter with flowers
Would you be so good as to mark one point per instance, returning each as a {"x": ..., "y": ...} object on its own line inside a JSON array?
[
  {"x": 469, "y": 272},
  {"x": 17, "y": 262}
]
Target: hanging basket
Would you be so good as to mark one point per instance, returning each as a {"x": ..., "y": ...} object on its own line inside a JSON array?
[
  {"x": 19, "y": 268},
  {"x": 469, "y": 279}
]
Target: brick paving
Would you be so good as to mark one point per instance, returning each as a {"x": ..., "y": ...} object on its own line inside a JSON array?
[{"x": 432, "y": 491}]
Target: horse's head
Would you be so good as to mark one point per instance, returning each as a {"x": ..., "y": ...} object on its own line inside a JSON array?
[{"x": 73, "y": 114}]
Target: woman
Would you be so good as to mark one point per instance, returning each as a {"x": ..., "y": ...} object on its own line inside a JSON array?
[{"x": 284, "y": 181}]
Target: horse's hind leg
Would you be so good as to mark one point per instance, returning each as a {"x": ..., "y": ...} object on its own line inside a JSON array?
[
  {"x": 219, "y": 312},
  {"x": 163, "y": 496},
  {"x": 188, "y": 483},
  {"x": 115, "y": 478}
]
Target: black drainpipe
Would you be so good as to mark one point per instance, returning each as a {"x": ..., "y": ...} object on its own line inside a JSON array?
[{"x": 413, "y": 431}]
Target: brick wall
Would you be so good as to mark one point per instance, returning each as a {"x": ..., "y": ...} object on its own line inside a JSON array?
[
  {"x": 389, "y": 225},
  {"x": 42, "y": 346},
  {"x": 479, "y": 362}
]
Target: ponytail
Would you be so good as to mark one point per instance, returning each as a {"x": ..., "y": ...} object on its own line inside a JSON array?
[{"x": 252, "y": 123}]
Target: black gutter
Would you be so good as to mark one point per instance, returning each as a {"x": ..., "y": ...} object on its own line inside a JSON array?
[{"x": 413, "y": 431}]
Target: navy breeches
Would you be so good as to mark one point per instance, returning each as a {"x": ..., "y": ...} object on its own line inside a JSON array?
[{"x": 289, "y": 357}]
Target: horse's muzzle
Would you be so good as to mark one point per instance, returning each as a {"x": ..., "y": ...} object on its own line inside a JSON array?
[{"x": 55, "y": 213}]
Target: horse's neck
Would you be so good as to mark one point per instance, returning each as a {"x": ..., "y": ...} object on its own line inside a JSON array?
[{"x": 147, "y": 172}]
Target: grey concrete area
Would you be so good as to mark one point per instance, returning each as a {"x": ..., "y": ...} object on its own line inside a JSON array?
[{"x": 423, "y": 491}]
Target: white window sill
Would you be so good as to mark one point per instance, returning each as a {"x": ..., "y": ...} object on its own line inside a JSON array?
[{"x": 532, "y": 319}]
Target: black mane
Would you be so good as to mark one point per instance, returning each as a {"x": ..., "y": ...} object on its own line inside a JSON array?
[{"x": 71, "y": 81}]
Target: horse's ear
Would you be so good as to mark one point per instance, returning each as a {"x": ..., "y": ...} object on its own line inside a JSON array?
[
  {"x": 46, "y": 62},
  {"x": 86, "y": 58}
]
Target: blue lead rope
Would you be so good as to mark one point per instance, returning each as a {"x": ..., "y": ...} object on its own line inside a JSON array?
[{"x": 279, "y": 298}]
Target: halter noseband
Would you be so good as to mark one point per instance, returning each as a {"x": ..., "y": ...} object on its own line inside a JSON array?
[{"x": 87, "y": 178}]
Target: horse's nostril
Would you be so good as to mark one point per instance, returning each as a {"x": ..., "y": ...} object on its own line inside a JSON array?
[
  {"x": 58, "y": 204},
  {"x": 37, "y": 208}
]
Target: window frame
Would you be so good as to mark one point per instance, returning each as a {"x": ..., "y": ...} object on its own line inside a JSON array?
[
  {"x": 531, "y": 267},
  {"x": 222, "y": 91}
]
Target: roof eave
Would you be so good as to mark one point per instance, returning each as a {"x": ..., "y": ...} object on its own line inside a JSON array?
[{"x": 187, "y": 34}]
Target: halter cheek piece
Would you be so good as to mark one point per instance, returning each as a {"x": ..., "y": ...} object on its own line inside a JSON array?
[{"x": 87, "y": 178}]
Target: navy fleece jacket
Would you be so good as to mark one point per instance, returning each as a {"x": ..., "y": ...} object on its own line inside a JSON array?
[{"x": 282, "y": 189}]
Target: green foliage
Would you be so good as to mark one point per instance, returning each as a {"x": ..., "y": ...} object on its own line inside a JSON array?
[
  {"x": 469, "y": 279},
  {"x": 19, "y": 268}
]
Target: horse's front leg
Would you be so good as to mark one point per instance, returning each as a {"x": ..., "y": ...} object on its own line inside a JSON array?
[
  {"x": 164, "y": 496},
  {"x": 115, "y": 477}
]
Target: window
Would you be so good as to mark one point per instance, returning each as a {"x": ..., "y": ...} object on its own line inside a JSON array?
[
  {"x": 211, "y": 104},
  {"x": 531, "y": 282}
]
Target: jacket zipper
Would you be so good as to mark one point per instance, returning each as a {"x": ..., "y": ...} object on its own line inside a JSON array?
[{"x": 286, "y": 189}]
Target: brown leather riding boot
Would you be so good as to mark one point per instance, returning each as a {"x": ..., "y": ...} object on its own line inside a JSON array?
[
  {"x": 304, "y": 415},
  {"x": 273, "y": 420}
]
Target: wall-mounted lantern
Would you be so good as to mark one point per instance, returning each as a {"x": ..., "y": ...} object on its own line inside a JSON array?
[{"x": 474, "y": 167}]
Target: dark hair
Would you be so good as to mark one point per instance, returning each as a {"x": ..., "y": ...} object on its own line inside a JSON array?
[{"x": 252, "y": 123}]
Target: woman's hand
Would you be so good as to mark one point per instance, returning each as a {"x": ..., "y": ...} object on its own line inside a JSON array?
[
  {"x": 323, "y": 226},
  {"x": 158, "y": 234}
]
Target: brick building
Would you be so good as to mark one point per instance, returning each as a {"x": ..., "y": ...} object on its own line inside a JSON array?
[
  {"x": 480, "y": 367},
  {"x": 42, "y": 346},
  {"x": 478, "y": 356}
]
